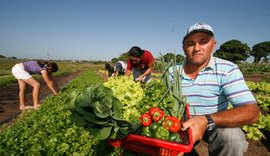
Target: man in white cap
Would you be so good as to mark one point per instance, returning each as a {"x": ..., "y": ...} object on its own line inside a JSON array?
[{"x": 210, "y": 84}]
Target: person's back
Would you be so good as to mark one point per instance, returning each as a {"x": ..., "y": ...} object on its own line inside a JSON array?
[
  {"x": 33, "y": 67},
  {"x": 120, "y": 67}
]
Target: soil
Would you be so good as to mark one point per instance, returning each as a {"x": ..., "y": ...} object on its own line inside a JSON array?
[
  {"x": 257, "y": 77},
  {"x": 9, "y": 109}
]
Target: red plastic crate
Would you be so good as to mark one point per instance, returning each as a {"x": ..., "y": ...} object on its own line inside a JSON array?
[{"x": 155, "y": 146}]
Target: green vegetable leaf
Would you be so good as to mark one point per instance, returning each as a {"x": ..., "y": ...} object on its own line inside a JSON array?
[
  {"x": 101, "y": 110},
  {"x": 101, "y": 133},
  {"x": 92, "y": 118}
]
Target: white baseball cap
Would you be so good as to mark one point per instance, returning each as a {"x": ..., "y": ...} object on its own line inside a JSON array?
[{"x": 199, "y": 27}]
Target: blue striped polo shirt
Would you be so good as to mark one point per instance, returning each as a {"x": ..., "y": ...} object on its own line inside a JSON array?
[{"x": 218, "y": 84}]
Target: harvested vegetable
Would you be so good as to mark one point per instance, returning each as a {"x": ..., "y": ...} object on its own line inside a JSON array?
[
  {"x": 161, "y": 133},
  {"x": 154, "y": 126},
  {"x": 101, "y": 113},
  {"x": 146, "y": 119},
  {"x": 172, "y": 124},
  {"x": 146, "y": 131},
  {"x": 156, "y": 113},
  {"x": 175, "y": 137},
  {"x": 129, "y": 93},
  {"x": 155, "y": 95}
]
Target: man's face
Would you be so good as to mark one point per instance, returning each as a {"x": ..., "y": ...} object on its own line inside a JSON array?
[
  {"x": 198, "y": 48},
  {"x": 135, "y": 60}
]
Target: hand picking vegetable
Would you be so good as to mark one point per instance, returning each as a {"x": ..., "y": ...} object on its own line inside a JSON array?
[
  {"x": 172, "y": 124},
  {"x": 156, "y": 113}
]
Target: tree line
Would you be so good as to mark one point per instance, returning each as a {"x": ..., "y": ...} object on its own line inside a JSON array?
[
  {"x": 236, "y": 51},
  {"x": 233, "y": 50}
]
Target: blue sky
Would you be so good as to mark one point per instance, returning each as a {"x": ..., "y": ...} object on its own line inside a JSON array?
[{"x": 104, "y": 29}]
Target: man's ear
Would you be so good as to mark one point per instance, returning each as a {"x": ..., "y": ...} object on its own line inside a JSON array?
[
  {"x": 214, "y": 44},
  {"x": 183, "y": 49}
]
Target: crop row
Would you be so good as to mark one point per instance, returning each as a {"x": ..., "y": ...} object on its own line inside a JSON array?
[
  {"x": 253, "y": 68},
  {"x": 261, "y": 91},
  {"x": 50, "y": 130}
]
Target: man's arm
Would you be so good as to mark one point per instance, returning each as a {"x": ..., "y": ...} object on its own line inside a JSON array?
[
  {"x": 235, "y": 117},
  {"x": 128, "y": 72},
  {"x": 149, "y": 70}
]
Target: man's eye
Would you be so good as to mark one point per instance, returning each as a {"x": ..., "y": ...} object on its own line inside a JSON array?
[
  {"x": 190, "y": 44},
  {"x": 204, "y": 41}
]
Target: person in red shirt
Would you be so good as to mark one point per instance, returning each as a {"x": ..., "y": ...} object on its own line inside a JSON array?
[{"x": 140, "y": 63}]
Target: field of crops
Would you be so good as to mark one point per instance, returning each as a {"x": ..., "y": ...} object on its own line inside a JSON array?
[
  {"x": 38, "y": 132},
  {"x": 53, "y": 130}
]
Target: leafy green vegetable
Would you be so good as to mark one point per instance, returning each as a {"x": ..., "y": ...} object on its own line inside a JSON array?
[
  {"x": 129, "y": 93},
  {"x": 155, "y": 95},
  {"x": 100, "y": 112}
]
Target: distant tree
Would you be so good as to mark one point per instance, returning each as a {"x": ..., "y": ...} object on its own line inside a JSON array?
[
  {"x": 114, "y": 60},
  {"x": 13, "y": 57},
  {"x": 260, "y": 50},
  {"x": 124, "y": 57},
  {"x": 1, "y": 56},
  {"x": 179, "y": 57},
  {"x": 167, "y": 57},
  {"x": 233, "y": 50}
]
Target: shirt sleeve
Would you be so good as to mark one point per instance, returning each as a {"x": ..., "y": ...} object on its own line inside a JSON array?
[
  {"x": 236, "y": 89},
  {"x": 150, "y": 57},
  {"x": 129, "y": 66}
]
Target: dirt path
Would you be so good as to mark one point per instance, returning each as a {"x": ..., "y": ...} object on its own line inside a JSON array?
[{"x": 10, "y": 105}]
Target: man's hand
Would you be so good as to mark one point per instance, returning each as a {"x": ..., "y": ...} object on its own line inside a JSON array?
[
  {"x": 140, "y": 78},
  {"x": 198, "y": 125}
]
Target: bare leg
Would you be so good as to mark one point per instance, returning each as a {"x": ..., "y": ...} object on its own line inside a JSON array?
[
  {"x": 22, "y": 87},
  {"x": 36, "y": 86}
]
